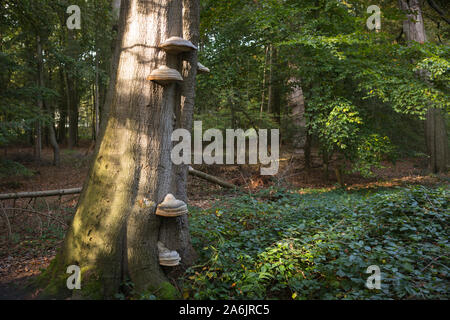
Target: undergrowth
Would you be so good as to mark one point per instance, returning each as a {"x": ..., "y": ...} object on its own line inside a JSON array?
[{"x": 280, "y": 244}]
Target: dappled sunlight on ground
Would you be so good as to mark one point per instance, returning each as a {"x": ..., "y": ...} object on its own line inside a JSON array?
[{"x": 35, "y": 238}]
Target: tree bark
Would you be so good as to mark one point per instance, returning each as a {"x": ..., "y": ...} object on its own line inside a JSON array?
[
  {"x": 270, "y": 88},
  {"x": 296, "y": 104},
  {"x": 184, "y": 113},
  {"x": 274, "y": 86},
  {"x": 38, "y": 125},
  {"x": 263, "y": 93},
  {"x": 115, "y": 230},
  {"x": 435, "y": 128},
  {"x": 42, "y": 105},
  {"x": 73, "y": 98},
  {"x": 62, "y": 132},
  {"x": 96, "y": 100}
]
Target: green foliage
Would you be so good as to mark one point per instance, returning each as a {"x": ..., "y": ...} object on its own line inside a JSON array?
[
  {"x": 370, "y": 151},
  {"x": 71, "y": 60},
  {"x": 338, "y": 127},
  {"x": 319, "y": 245},
  {"x": 357, "y": 84}
]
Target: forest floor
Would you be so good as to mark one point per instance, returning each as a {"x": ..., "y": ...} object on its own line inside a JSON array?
[{"x": 29, "y": 240}]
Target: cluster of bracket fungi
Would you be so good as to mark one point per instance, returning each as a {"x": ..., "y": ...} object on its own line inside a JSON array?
[
  {"x": 171, "y": 207},
  {"x": 165, "y": 75}
]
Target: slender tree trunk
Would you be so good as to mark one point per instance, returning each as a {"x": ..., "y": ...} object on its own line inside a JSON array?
[
  {"x": 437, "y": 140},
  {"x": 50, "y": 136},
  {"x": 274, "y": 86},
  {"x": 270, "y": 88},
  {"x": 232, "y": 109},
  {"x": 263, "y": 93},
  {"x": 115, "y": 230},
  {"x": 38, "y": 126},
  {"x": 296, "y": 103},
  {"x": 97, "y": 99},
  {"x": 435, "y": 127},
  {"x": 308, "y": 152},
  {"x": 72, "y": 91},
  {"x": 54, "y": 144}
]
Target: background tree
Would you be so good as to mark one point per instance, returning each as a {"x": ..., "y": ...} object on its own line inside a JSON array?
[{"x": 435, "y": 128}]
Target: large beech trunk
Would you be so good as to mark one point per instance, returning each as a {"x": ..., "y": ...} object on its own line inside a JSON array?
[{"x": 114, "y": 233}]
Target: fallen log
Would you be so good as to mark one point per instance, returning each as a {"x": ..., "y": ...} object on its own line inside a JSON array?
[
  {"x": 63, "y": 192},
  {"x": 211, "y": 178},
  {"x": 37, "y": 194}
]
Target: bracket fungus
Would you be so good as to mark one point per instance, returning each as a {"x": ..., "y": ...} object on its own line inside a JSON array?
[
  {"x": 166, "y": 257},
  {"x": 201, "y": 68},
  {"x": 165, "y": 75},
  {"x": 171, "y": 207},
  {"x": 177, "y": 45}
]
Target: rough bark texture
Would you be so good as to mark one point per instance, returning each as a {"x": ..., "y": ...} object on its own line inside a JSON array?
[
  {"x": 437, "y": 140},
  {"x": 114, "y": 232},
  {"x": 413, "y": 27},
  {"x": 184, "y": 113},
  {"x": 435, "y": 128},
  {"x": 296, "y": 103}
]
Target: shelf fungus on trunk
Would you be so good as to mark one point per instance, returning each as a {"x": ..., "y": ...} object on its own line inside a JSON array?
[
  {"x": 171, "y": 207},
  {"x": 165, "y": 75},
  {"x": 167, "y": 257},
  {"x": 177, "y": 45},
  {"x": 201, "y": 68}
]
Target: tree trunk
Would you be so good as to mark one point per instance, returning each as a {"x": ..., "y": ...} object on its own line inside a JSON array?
[
  {"x": 308, "y": 163},
  {"x": 114, "y": 232},
  {"x": 72, "y": 111},
  {"x": 274, "y": 86},
  {"x": 437, "y": 140},
  {"x": 97, "y": 99},
  {"x": 263, "y": 93},
  {"x": 38, "y": 126},
  {"x": 296, "y": 103},
  {"x": 184, "y": 112},
  {"x": 72, "y": 91},
  {"x": 50, "y": 129},
  {"x": 435, "y": 127},
  {"x": 270, "y": 88},
  {"x": 62, "y": 106}
]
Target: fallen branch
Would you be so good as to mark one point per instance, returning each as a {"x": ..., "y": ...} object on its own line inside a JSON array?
[
  {"x": 37, "y": 194},
  {"x": 62, "y": 192},
  {"x": 211, "y": 178}
]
